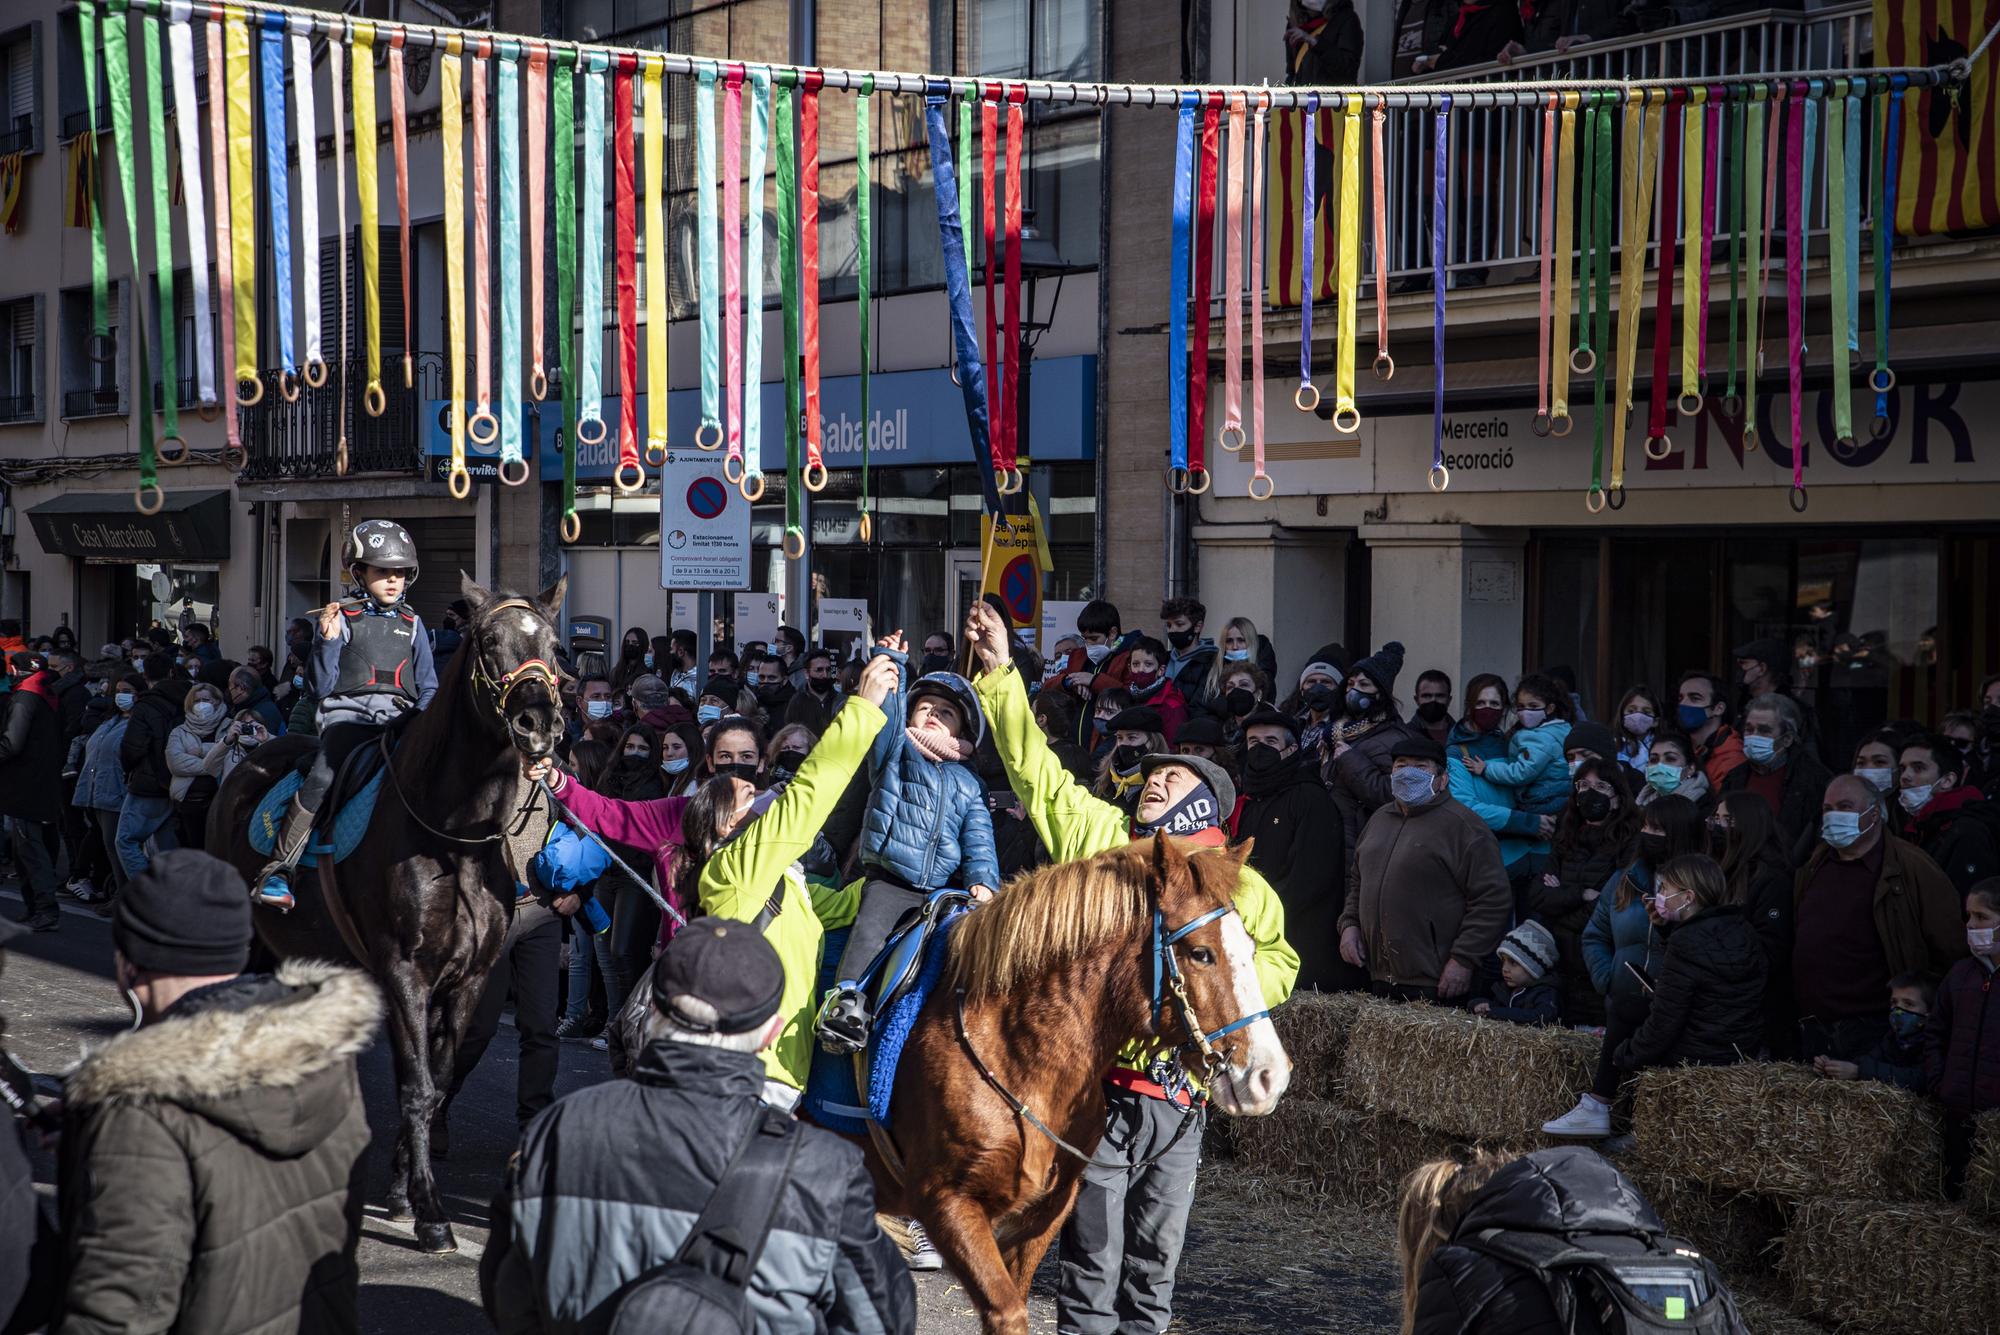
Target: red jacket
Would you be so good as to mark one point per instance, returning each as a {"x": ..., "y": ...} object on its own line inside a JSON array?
[
  {"x": 1722, "y": 753},
  {"x": 1962, "y": 1040}
]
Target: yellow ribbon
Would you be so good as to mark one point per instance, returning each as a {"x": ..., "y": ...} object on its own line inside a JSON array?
[
  {"x": 1641, "y": 167},
  {"x": 1565, "y": 273},
  {"x": 656, "y": 267},
  {"x": 454, "y": 254},
  {"x": 1693, "y": 132},
  {"x": 363, "y": 87},
  {"x": 242, "y": 206},
  {"x": 1346, "y": 417}
]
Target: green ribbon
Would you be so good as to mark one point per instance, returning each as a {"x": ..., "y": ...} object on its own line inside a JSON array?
[
  {"x": 563, "y": 92},
  {"x": 100, "y": 280},
  {"x": 788, "y": 285},
  {"x": 1601, "y": 318},
  {"x": 965, "y": 176},
  {"x": 1587, "y": 223},
  {"x": 864, "y": 265},
  {"x": 118, "y": 75},
  {"x": 163, "y": 228},
  {"x": 1736, "y": 181}
]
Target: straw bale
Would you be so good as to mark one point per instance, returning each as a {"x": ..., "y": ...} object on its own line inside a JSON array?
[
  {"x": 1892, "y": 1268},
  {"x": 1739, "y": 1231},
  {"x": 1450, "y": 1071},
  {"x": 1982, "y": 1175},
  {"x": 1780, "y": 1130},
  {"x": 1311, "y": 1149},
  {"x": 1314, "y": 1027}
]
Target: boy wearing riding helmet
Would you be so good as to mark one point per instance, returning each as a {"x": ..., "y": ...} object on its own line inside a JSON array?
[
  {"x": 927, "y": 827},
  {"x": 1105, "y": 1283},
  {"x": 369, "y": 664}
]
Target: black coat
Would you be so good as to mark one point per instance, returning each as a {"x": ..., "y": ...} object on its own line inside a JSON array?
[
  {"x": 1799, "y": 803},
  {"x": 1334, "y": 58},
  {"x": 1569, "y": 1189},
  {"x": 1301, "y": 851},
  {"x": 1768, "y": 907},
  {"x": 1563, "y": 909},
  {"x": 1708, "y": 1000},
  {"x": 72, "y": 695},
  {"x": 32, "y": 751},
  {"x": 30, "y": 1250},
  {"x": 1964, "y": 842},
  {"x": 143, "y": 753}
]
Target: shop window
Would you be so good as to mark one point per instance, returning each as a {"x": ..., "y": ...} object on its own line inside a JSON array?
[
  {"x": 21, "y": 67},
  {"x": 173, "y": 596},
  {"x": 93, "y": 388},
  {"x": 21, "y": 359}
]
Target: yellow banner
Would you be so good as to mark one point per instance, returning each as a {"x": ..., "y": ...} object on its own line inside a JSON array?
[{"x": 1012, "y": 560}]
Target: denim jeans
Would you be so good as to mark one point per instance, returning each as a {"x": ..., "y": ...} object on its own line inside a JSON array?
[
  {"x": 140, "y": 819},
  {"x": 588, "y": 951}
]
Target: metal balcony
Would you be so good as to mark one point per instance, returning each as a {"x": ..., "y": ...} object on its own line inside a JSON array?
[{"x": 300, "y": 439}]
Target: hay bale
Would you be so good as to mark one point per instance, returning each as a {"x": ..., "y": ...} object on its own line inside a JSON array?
[
  {"x": 1314, "y": 1027},
  {"x": 1738, "y": 1230},
  {"x": 1310, "y": 1149},
  {"x": 1452, "y": 1072},
  {"x": 1982, "y": 1175},
  {"x": 1780, "y": 1130},
  {"x": 1892, "y": 1268}
]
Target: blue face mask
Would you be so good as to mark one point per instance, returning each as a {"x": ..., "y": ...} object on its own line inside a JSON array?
[
  {"x": 1692, "y": 717},
  {"x": 1906, "y": 1025},
  {"x": 1840, "y": 829},
  {"x": 1760, "y": 749},
  {"x": 675, "y": 766},
  {"x": 649, "y": 658},
  {"x": 708, "y": 713},
  {"x": 1235, "y": 655},
  {"x": 1663, "y": 778},
  {"x": 1410, "y": 785},
  {"x": 298, "y": 681}
]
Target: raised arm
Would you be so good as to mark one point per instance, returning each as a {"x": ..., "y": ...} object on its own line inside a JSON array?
[{"x": 649, "y": 824}]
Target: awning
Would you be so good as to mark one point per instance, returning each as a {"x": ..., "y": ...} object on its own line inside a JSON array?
[{"x": 103, "y": 525}]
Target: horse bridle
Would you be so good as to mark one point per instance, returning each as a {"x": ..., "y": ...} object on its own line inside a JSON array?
[{"x": 533, "y": 669}]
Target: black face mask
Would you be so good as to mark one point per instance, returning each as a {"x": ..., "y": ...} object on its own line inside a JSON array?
[
  {"x": 747, "y": 773},
  {"x": 1241, "y": 701},
  {"x": 1180, "y": 639},
  {"x": 768, "y": 695},
  {"x": 1263, "y": 758},
  {"x": 820, "y": 685},
  {"x": 1652, "y": 849},
  {"x": 1718, "y": 841},
  {"x": 936, "y": 663},
  {"x": 1592, "y": 805},
  {"x": 1431, "y": 711},
  {"x": 1320, "y": 699},
  {"x": 635, "y": 651},
  {"x": 788, "y": 762},
  {"x": 1125, "y": 759}
]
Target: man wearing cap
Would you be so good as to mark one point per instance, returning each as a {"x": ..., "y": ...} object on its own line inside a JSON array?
[
  {"x": 1763, "y": 668},
  {"x": 1363, "y": 743},
  {"x": 1431, "y": 900},
  {"x": 608, "y": 1182},
  {"x": 208, "y": 1158},
  {"x": 1122, "y": 1243},
  {"x": 1300, "y": 848}
]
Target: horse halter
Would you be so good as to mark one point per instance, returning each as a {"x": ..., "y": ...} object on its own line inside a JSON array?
[
  {"x": 1167, "y": 977},
  {"x": 533, "y": 669}
]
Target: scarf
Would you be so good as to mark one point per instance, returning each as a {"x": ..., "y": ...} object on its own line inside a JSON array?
[
  {"x": 1193, "y": 814},
  {"x": 939, "y": 744},
  {"x": 1468, "y": 10}
]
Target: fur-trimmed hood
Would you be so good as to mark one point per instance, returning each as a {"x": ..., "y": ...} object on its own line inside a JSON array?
[{"x": 261, "y": 1056}]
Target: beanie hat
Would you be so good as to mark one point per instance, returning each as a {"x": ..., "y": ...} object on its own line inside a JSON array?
[
  {"x": 1594, "y": 738},
  {"x": 1416, "y": 746},
  {"x": 1200, "y": 730},
  {"x": 1532, "y": 947},
  {"x": 1330, "y": 659},
  {"x": 1382, "y": 666},
  {"x": 188, "y": 913},
  {"x": 726, "y": 969}
]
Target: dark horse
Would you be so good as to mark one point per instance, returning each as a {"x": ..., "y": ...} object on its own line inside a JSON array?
[
  {"x": 424, "y": 901},
  {"x": 1043, "y": 987}
]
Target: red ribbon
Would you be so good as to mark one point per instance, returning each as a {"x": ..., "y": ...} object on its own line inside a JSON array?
[
  {"x": 1008, "y": 457},
  {"x": 628, "y": 287},
  {"x": 1204, "y": 265},
  {"x": 989, "y": 134},
  {"x": 809, "y": 264},
  {"x": 1663, "y": 302}
]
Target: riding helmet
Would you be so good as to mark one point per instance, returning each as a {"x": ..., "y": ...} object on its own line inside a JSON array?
[
  {"x": 957, "y": 691},
  {"x": 383, "y": 543}
]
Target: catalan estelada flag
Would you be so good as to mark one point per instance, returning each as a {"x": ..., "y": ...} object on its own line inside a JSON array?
[
  {"x": 1284, "y": 204},
  {"x": 10, "y": 192},
  {"x": 1950, "y": 175},
  {"x": 80, "y": 180}
]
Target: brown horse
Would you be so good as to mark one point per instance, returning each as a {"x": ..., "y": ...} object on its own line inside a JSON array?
[
  {"x": 1052, "y": 979},
  {"x": 424, "y": 901}
]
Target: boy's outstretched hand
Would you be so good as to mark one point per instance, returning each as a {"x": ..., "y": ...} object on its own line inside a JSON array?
[
  {"x": 329, "y": 622},
  {"x": 987, "y": 635}
]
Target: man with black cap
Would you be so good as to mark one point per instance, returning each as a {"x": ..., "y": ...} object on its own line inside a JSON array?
[
  {"x": 1300, "y": 847},
  {"x": 1762, "y": 668},
  {"x": 1432, "y": 899},
  {"x": 208, "y": 1157},
  {"x": 1363, "y": 742},
  {"x": 608, "y": 1182}
]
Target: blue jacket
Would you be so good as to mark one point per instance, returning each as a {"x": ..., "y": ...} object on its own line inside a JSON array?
[
  {"x": 100, "y": 784},
  {"x": 1616, "y": 937},
  {"x": 927, "y": 824},
  {"x": 1520, "y": 832},
  {"x": 1535, "y": 768}
]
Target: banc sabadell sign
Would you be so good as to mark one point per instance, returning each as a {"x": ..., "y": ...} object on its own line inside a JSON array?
[{"x": 919, "y": 419}]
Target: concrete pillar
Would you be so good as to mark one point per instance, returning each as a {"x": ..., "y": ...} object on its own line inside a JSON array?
[
  {"x": 1453, "y": 595},
  {"x": 1291, "y": 582}
]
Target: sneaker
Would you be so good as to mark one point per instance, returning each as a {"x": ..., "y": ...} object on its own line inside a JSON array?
[
  {"x": 580, "y": 1027},
  {"x": 81, "y": 888},
  {"x": 601, "y": 1043},
  {"x": 51, "y": 922},
  {"x": 1588, "y": 1120},
  {"x": 274, "y": 892},
  {"x": 918, "y": 1252}
]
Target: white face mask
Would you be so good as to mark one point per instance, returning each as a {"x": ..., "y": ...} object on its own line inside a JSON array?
[
  {"x": 1880, "y": 778},
  {"x": 1917, "y": 798},
  {"x": 205, "y": 711},
  {"x": 1979, "y": 940},
  {"x": 1097, "y": 653},
  {"x": 597, "y": 709}
]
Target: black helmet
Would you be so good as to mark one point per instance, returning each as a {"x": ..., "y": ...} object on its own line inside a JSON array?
[{"x": 383, "y": 543}]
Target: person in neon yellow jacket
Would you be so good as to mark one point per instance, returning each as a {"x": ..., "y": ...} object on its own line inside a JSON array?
[{"x": 1122, "y": 1243}]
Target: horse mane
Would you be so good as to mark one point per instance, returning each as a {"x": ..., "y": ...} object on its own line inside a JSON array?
[{"x": 1047, "y": 919}]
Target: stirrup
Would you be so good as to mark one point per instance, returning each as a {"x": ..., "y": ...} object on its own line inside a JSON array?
[
  {"x": 842, "y": 1023},
  {"x": 274, "y": 890}
]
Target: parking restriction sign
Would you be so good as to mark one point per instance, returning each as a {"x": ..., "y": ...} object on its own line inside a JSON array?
[{"x": 704, "y": 524}]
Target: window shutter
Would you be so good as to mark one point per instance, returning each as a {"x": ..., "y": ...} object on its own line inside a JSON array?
[
  {"x": 38, "y": 321},
  {"x": 20, "y": 78},
  {"x": 330, "y": 278},
  {"x": 392, "y": 302}
]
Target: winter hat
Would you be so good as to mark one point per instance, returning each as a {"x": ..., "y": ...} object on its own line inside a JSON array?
[
  {"x": 1531, "y": 947},
  {"x": 718, "y": 976},
  {"x": 723, "y": 688},
  {"x": 1137, "y": 719},
  {"x": 1416, "y": 746},
  {"x": 1382, "y": 666},
  {"x": 1770, "y": 651},
  {"x": 188, "y": 913},
  {"x": 1200, "y": 730},
  {"x": 1211, "y": 774},
  {"x": 1330, "y": 659},
  {"x": 1594, "y": 738},
  {"x": 1266, "y": 717}
]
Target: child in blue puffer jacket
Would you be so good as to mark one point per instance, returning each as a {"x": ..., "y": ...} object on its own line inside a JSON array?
[
  {"x": 1535, "y": 768},
  {"x": 927, "y": 826}
]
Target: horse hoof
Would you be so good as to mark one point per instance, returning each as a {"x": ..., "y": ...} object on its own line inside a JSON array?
[
  {"x": 397, "y": 1210},
  {"x": 436, "y": 1239}
]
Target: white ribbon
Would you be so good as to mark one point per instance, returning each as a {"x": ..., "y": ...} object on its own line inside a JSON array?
[
  {"x": 187, "y": 126},
  {"x": 302, "y": 97}
]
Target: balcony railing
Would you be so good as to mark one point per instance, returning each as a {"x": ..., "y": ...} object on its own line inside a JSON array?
[
  {"x": 301, "y": 439},
  {"x": 107, "y": 401},
  {"x": 20, "y": 408},
  {"x": 186, "y": 396}
]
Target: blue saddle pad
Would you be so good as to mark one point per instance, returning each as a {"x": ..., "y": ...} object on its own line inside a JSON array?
[
  {"x": 833, "y": 1093},
  {"x": 349, "y": 823}
]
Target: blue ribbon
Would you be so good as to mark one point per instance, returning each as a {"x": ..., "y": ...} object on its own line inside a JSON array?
[
  {"x": 1311, "y": 214},
  {"x": 1177, "y": 309},
  {"x": 510, "y": 252},
  {"x": 958, "y": 289},
  {"x": 271, "y": 60},
  {"x": 1440, "y": 239}
]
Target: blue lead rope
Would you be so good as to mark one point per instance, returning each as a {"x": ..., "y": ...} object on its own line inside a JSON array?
[
  {"x": 1177, "y": 310},
  {"x": 958, "y": 289},
  {"x": 271, "y": 60}
]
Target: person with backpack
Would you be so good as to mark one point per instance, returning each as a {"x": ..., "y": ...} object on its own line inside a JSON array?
[
  {"x": 609, "y": 1216},
  {"x": 1557, "y": 1239}
]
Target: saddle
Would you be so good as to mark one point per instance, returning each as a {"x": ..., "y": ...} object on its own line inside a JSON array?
[
  {"x": 344, "y": 816},
  {"x": 889, "y": 975}
]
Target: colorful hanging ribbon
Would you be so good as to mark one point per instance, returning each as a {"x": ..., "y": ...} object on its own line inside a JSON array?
[
  {"x": 788, "y": 283},
  {"x": 563, "y": 91},
  {"x": 1673, "y": 133},
  {"x": 249, "y": 387},
  {"x": 368, "y": 191},
  {"x": 225, "y": 289},
  {"x": 750, "y": 405},
  {"x": 1597, "y": 287},
  {"x": 815, "y": 475},
  {"x": 1385, "y": 365},
  {"x": 657, "y": 243},
  {"x": 1640, "y": 161},
  {"x": 1006, "y": 457},
  {"x": 1882, "y": 237},
  {"x": 968, "y": 374},
  {"x": 277, "y": 184},
  {"x": 1255, "y": 240},
  {"x": 1439, "y": 476},
  {"x": 989, "y": 217},
  {"x": 102, "y": 352},
  {"x": 732, "y": 281},
  {"x": 336, "y": 68},
  {"x": 1698, "y": 235},
  {"x": 1231, "y": 436},
  {"x": 1590, "y": 251},
  {"x": 1757, "y": 196},
  {"x": 591, "y": 428},
  {"x": 453, "y": 119},
  {"x": 1346, "y": 416},
  {"x": 1771, "y": 221},
  {"x": 965, "y": 167},
  {"x": 399, "y": 141},
  {"x": 1199, "y": 480},
  {"x": 1177, "y": 297},
  {"x": 187, "y": 127},
  {"x": 482, "y": 428},
  {"x": 538, "y": 156},
  {"x": 1546, "y": 292},
  {"x": 864, "y": 276},
  {"x": 1735, "y": 178},
  {"x": 513, "y": 461},
  {"x": 1306, "y": 397},
  {"x": 148, "y": 497},
  {"x": 163, "y": 247},
  {"x": 1843, "y": 221},
  {"x": 314, "y": 367},
  {"x": 629, "y": 476},
  {"x": 1560, "y": 421},
  {"x": 709, "y": 434},
  {"x": 1798, "y": 153}
]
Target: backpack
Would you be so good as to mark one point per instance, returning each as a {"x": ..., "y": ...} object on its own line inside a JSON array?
[
  {"x": 568, "y": 862},
  {"x": 1637, "y": 1283},
  {"x": 705, "y": 1289}
]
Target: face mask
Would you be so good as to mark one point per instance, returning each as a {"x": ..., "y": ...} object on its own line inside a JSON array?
[
  {"x": 1125, "y": 759},
  {"x": 1195, "y": 812},
  {"x": 1241, "y": 701},
  {"x": 1916, "y": 799},
  {"x": 634, "y": 650},
  {"x": 649, "y": 658},
  {"x": 1431, "y": 711},
  {"x": 789, "y": 762},
  {"x": 205, "y": 711},
  {"x": 1652, "y": 849},
  {"x": 675, "y": 766},
  {"x": 1313, "y": 6},
  {"x": 1660, "y": 902},
  {"x": 1360, "y": 703},
  {"x": 1692, "y": 717},
  {"x": 936, "y": 663},
  {"x": 1142, "y": 683},
  {"x": 1638, "y": 723},
  {"x": 1180, "y": 639},
  {"x": 1487, "y": 717},
  {"x": 1760, "y": 749},
  {"x": 1410, "y": 785},
  {"x": 1840, "y": 828},
  {"x": 123, "y": 699},
  {"x": 770, "y": 692},
  {"x": 1533, "y": 718},
  {"x": 597, "y": 709},
  {"x": 708, "y": 713},
  {"x": 1262, "y": 758},
  {"x": 138, "y": 665},
  {"x": 1979, "y": 940},
  {"x": 1097, "y": 653},
  {"x": 1907, "y": 1025},
  {"x": 1575, "y": 767},
  {"x": 1879, "y": 777},
  {"x": 298, "y": 681},
  {"x": 1718, "y": 841},
  {"x": 1592, "y": 805},
  {"x": 1663, "y": 778},
  {"x": 1235, "y": 655},
  {"x": 1319, "y": 699},
  {"x": 631, "y": 756}
]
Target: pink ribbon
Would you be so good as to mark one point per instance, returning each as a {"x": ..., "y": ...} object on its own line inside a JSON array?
[
  {"x": 732, "y": 262},
  {"x": 1232, "y": 282},
  {"x": 225, "y": 285},
  {"x": 1544, "y": 331}
]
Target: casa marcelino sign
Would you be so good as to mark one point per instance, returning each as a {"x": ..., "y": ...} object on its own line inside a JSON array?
[{"x": 103, "y": 526}]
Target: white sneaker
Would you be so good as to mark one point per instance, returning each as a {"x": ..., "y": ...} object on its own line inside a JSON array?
[
  {"x": 601, "y": 1044},
  {"x": 1588, "y": 1120},
  {"x": 81, "y": 888},
  {"x": 921, "y": 1255}
]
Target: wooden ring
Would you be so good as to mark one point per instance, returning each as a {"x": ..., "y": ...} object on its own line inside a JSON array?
[
  {"x": 1583, "y": 361},
  {"x": 1540, "y": 426},
  {"x": 1732, "y": 405},
  {"x": 309, "y": 378},
  {"x": 637, "y": 474},
  {"x": 1198, "y": 470},
  {"x": 867, "y": 527},
  {"x": 459, "y": 481},
  {"x": 1595, "y": 494},
  {"x": 208, "y": 410},
  {"x": 255, "y": 382},
  {"x": 742, "y": 470},
  {"x": 1666, "y": 447},
  {"x": 1750, "y": 439},
  {"x": 572, "y": 526},
  {"x": 514, "y": 481},
  {"x": 1881, "y": 380},
  {"x": 1796, "y": 498},
  {"x": 1177, "y": 480},
  {"x": 708, "y": 435},
  {"x": 795, "y": 543},
  {"x": 139, "y": 496},
  {"x": 1690, "y": 403},
  {"x": 1347, "y": 421},
  {"x": 1616, "y": 496},
  {"x": 1561, "y": 424},
  {"x": 1234, "y": 429},
  {"x": 168, "y": 458},
  {"x": 1385, "y": 365},
  {"x": 288, "y": 386},
  {"x": 373, "y": 401},
  {"x": 1439, "y": 477},
  {"x": 1843, "y": 447},
  {"x": 482, "y": 428},
  {"x": 1879, "y": 428},
  {"x": 1270, "y": 487},
  {"x": 584, "y": 438},
  {"x": 824, "y": 476},
  {"x": 744, "y": 486},
  {"x": 1299, "y": 396},
  {"x": 538, "y": 384},
  {"x": 235, "y": 458},
  {"x": 656, "y": 451}
]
